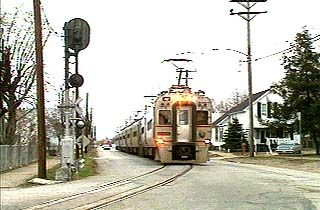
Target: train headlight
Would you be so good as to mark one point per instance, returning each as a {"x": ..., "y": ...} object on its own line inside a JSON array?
[
  {"x": 160, "y": 141},
  {"x": 183, "y": 97},
  {"x": 202, "y": 134},
  {"x": 207, "y": 141}
]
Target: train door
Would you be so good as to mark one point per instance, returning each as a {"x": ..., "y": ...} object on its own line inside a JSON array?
[
  {"x": 184, "y": 123},
  {"x": 183, "y": 147}
]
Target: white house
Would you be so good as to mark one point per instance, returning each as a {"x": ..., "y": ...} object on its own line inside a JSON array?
[{"x": 262, "y": 103}]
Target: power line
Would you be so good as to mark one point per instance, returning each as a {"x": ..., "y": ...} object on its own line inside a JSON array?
[
  {"x": 316, "y": 38},
  {"x": 47, "y": 23},
  {"x": 287, "y": 50}
]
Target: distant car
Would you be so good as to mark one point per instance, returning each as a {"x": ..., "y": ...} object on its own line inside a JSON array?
[
  {"x": 107, "y": 146},
  {"x": 289, "y": 148}
]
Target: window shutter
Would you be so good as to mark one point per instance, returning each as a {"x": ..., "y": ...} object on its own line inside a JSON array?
[
  {"x": 269, "y": 109},
  {"x": 259, "y": 109}
]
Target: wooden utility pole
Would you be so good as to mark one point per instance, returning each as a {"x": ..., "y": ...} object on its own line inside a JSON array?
[
  {"x": 42, "y": 173},
  {"x": 248, "y": 4}
]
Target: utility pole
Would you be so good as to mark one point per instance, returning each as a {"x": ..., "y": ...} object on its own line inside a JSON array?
[
  {"x": 1, "y": 70},
  {"x": 2, "y": 56},
  {"x": 247, "y": 15},
  {"x": 40, "y": 92}
]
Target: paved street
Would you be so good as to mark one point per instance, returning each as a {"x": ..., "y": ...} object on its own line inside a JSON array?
[
  {"x": 215, "y": 185},
  {"x": 224, "y": 185}
]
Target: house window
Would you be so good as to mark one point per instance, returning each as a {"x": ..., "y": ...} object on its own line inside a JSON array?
[
  {"x": 264, "y": 109},
  {"x": 221, "y": 134},
  {"x": 256, "y": 134}
]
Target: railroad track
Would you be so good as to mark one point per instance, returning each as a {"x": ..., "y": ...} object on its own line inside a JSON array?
[{"x": 113, "y": 192}]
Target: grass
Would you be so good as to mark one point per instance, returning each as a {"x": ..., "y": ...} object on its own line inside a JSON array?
[
  {"x": 89, "y": 169},
  {"x": 90, "y": 166}
]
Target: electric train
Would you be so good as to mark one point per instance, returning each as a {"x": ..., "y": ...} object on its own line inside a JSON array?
[{"x": 175, "y": 129}]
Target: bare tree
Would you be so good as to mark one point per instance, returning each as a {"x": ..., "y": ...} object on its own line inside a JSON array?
[
  {"x": 17, "y": 77},
  {"x": 235, "y": 99}
]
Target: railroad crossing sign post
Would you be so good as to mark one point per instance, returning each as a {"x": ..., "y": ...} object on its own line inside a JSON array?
[{"x": 77, "y": 38}]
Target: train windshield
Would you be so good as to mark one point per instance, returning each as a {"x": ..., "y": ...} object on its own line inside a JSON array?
[
  {"x": 183, "y": 117},
  {"x": 164, "y": 117},
  {"x": 202, "y": 118}
]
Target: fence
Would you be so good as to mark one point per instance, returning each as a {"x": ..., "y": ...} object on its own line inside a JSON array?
[{"x": 14, "y": 156}]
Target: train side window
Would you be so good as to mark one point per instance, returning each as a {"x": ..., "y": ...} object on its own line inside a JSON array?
[
  {"x": 134, "y": 133},
  {"x": 142, "y": 130},
  {"x": 164, "y": 117},
  {"x": 183, "y": 117},
  {"x": 202, "y": 118},
  {"x": 149, "y": 125}
]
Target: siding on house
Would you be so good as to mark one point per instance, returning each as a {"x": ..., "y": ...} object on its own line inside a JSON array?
[{"x": 262, "y": 102}]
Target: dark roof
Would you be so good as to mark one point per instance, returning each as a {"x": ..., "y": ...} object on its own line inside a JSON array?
[{"x": 240, "y": 107}]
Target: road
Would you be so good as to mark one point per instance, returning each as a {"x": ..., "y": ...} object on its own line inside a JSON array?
[{"x": 214, "y": 185}]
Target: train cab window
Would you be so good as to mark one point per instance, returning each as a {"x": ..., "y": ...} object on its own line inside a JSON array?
[
  {"x": 202, "y": 118},
  {"x": 164, "y": 117},
  {"x": 183, "y": 117},
  {"x": 149, "y": 125}
]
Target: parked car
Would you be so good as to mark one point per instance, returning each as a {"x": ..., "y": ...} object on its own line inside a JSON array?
[
  {"x": 107, "y": 146},
  {"x": 293, "y": 148}
]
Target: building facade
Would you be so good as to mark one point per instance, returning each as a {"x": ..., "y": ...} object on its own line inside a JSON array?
[{"x": 262, "y": 111}]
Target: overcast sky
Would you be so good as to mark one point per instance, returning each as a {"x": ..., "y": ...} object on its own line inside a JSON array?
[{"x": 130, "y": 39}]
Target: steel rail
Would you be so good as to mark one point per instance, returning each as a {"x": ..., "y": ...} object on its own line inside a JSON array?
[
  {"x": 128, "y": 194},
  {"x": 102, "y": 187}
]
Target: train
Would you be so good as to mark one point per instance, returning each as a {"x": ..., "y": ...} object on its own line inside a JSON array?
[{"x": 175, "y": 129}]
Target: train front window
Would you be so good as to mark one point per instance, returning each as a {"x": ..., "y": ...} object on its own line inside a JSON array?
[
  {"x": 202, "y": 118},
  {"x": 183, "y": 117},
  {"x": 164, "y": 117}
]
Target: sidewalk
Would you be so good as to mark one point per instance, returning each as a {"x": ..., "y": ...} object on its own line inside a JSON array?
[{"x": 19, "y": 176}]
